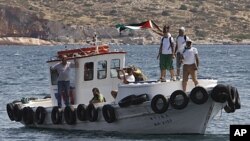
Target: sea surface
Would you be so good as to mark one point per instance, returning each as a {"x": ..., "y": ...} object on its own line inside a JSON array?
[{"x": 24, "y": 73}]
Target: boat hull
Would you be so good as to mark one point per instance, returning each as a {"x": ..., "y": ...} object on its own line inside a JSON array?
[{"x": 141, "y": 119}]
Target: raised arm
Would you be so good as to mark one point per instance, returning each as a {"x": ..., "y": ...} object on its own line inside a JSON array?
[{"x": 158, "y": 32}]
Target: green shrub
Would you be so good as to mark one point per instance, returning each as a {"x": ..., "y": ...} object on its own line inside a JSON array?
[{"x": 183, "y": 7}]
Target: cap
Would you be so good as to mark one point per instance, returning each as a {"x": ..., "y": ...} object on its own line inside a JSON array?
[
  {"x": 189, "y": 40},
  {"x": 182, "y": 28}
]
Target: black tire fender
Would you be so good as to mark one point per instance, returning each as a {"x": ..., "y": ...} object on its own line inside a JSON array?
[
  {"x": 28, "y": 115},
  {"x": 126, "y": 101},
  {"x": 56, "y": 115},
  {"x": 237, "y": 100},
  {"x": 155, "y": 104},
  {"x": 40, "y": 115},
  {"x": 108, "y": 112},
  {"x": 199, "y": 95},
  {"x": 92, "y": 113},
  {"x": 173, "y": 99},
  {"x": 10, "y": 111},
  {"x": 230, "y": 107},
  {"x": 220, "y": 93},
  {"x": 81, "y": 112},
  {"x": 70, "y": 115},
  {"x": 139, "y": 99},
  {"x": 18, "y": 113}
]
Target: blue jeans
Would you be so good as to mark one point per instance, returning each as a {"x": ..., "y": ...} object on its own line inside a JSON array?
[{"x": 63, "y": 86}]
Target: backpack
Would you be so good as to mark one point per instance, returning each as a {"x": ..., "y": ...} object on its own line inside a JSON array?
[{"x": 170, "y": 41}]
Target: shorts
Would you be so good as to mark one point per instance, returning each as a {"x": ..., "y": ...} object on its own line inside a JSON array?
[
  {"x": 166, "y": 62},
  {"x": 190, "y": 70}
]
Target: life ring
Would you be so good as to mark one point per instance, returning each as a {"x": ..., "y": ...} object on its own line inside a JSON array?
[
  {"x": 127, "y": 101},
  {"x": 70, "y": 115},
  {"x": 139, "y": 99},
  {"x": 28, "y": 115},
  {"x": 174, "y": 101},
  {"x": 220, "y": 93},
  {"x": 81, "y": 112},
  {"x": 10, "y": 111},
  {"x": 159, "y": 104},
  {"x": 56, "y": 115},
  {"x": 108, "y": 112},
  {"x": 92, "y": 112},
  {"x": 40, "y": 115},
  {"x": 199, "y": 95},
  {"x": 17, "y": 112}
]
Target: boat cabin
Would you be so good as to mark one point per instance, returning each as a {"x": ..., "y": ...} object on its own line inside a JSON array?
[{"x": 97, "y": 68}]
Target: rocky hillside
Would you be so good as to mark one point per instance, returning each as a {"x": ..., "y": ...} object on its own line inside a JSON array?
[{"x": 75, "y": 21}]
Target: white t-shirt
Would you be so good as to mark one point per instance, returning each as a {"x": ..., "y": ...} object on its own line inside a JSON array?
[
  {"x": 181, "y": 43},
  {"x": 130, "y": 78},
  {"x": 189, "y": 56},
  {"x": 166, "y": 49},
  {"x": 63, "y": 70}
]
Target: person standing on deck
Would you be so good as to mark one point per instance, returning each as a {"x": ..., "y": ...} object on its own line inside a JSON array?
[
  {"x": 166, "y": 54},
  {"x": 190, "y": 64},
  {"x": 63, "y": 80},
  {"x": 180, "y": 45}
]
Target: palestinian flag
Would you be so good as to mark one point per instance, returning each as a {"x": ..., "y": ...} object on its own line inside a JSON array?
[{"x": 144, "y": 25}]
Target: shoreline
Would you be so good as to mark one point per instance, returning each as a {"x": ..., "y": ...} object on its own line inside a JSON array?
[{"x": 27, "y": 41}]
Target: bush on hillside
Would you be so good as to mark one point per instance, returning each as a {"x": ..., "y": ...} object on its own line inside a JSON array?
[{"x": 183, "y": 7}]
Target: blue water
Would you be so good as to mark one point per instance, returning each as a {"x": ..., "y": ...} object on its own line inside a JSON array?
[{"x": 24, "y": 73}]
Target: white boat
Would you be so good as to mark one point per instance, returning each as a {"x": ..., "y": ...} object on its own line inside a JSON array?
[{"x": 144, "y": 107}]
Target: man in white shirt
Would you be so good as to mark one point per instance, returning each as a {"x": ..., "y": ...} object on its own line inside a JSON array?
[
  {"x": 126, "y": 79},
  {"x": 180, "y": 45},
  {"x": 63, "y": 80},
  {"x": 166, "y": 54},
  {"x": 190, "y": 64}
]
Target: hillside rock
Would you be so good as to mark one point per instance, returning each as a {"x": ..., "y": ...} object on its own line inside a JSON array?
[{"x": 76, "y": 21}]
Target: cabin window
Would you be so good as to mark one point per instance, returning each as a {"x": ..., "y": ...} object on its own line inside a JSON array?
[
  {"x": 88, "y": 71},
  {"x": 115, "y": 64},
  {"x": 102, "y": 69},
  {"x": 54, "y": 75}
]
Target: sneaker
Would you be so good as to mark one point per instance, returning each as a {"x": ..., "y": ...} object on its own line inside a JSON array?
[
  {"x": 159, "y": 80},
  {"x": 197, "y": 85},
  {"x": 173, "y": 79},
  {"x": 178, "y": 78},
  {"x": 163, "y": 80}
]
